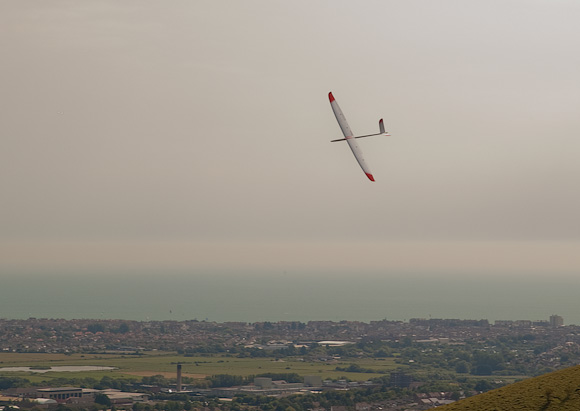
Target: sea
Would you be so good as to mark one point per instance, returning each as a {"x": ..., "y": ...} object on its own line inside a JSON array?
[{"x": 303, "y": 295}]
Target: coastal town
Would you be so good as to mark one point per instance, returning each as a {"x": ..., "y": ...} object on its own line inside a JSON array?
[
  {"x": 85, "y": 335},
  {"x": 435, "y": 361}
]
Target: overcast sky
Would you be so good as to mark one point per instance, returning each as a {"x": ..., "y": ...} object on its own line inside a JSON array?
[{"x": 197, "y": 133}]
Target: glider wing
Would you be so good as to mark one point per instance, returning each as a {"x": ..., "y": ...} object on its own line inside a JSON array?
[{"x": 350, "y": 139}]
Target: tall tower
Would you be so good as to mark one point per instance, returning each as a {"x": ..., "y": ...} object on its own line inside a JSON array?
[
  {"x": 556, "y": 321},
  {"x": 178, "y": 377}
]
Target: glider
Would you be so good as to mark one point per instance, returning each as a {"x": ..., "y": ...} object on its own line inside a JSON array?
[{"x": 350, "y": 139}]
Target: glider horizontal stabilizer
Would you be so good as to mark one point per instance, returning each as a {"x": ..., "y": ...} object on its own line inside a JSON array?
[{"x": 381, "y": 128}]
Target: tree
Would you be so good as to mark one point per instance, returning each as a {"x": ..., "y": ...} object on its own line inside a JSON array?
[
  {"x": 406, "y": 341},
  {"x": 462, "y": 367},
  {"x": 483, "y": 369},
  {"x": 382, "y": 353},
  {"x": 225, "y": 380},
  {"x": 157, "y": 380},
  {"x": 483, "y": 385},
  {"x": 11, "y": 382},
  {"x": 95, "y": 328},
  {"x": 486, "y": 363},
  {"x": 102, "y": 399},
  {"x": 123, "y": 329}
]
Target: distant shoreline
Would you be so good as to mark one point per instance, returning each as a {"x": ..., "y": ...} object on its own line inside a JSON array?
[{"x": 242, "y": 298}]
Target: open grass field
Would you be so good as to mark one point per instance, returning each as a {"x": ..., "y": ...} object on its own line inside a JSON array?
[{"x": 164, "y": 363}]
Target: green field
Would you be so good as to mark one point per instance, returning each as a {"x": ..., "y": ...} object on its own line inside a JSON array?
[{"x": 151, "y": 363}]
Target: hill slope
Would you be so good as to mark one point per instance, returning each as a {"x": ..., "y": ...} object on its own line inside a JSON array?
[{"x": 558, "y": 390}]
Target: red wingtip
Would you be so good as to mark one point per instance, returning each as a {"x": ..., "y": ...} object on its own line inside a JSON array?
[
  {"x": 330, "y": 97},
  {"x": 370, "y": 176}
]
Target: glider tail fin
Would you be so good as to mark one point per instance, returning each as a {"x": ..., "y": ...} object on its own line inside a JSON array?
[{"x": 381, "y": 126}]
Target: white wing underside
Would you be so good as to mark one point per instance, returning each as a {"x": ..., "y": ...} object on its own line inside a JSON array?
[{"x": 350, "y": 139}]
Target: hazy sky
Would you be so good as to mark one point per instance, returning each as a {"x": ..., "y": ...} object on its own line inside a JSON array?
[{"x": 197, "y": 133}]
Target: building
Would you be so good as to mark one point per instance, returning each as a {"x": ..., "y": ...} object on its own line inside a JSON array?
[
  {"x": 125, "y": 398},
  {"x": 61, "y": 394},
  {"x": 313, "y": 380},
  {"x": 400, "y": 380},
  {"x": 263, "y": 383},
  {"x": 556, "y": 321}
]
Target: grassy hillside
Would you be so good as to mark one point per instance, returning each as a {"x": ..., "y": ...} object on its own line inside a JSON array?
[{"x": 559, "y": 390}]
